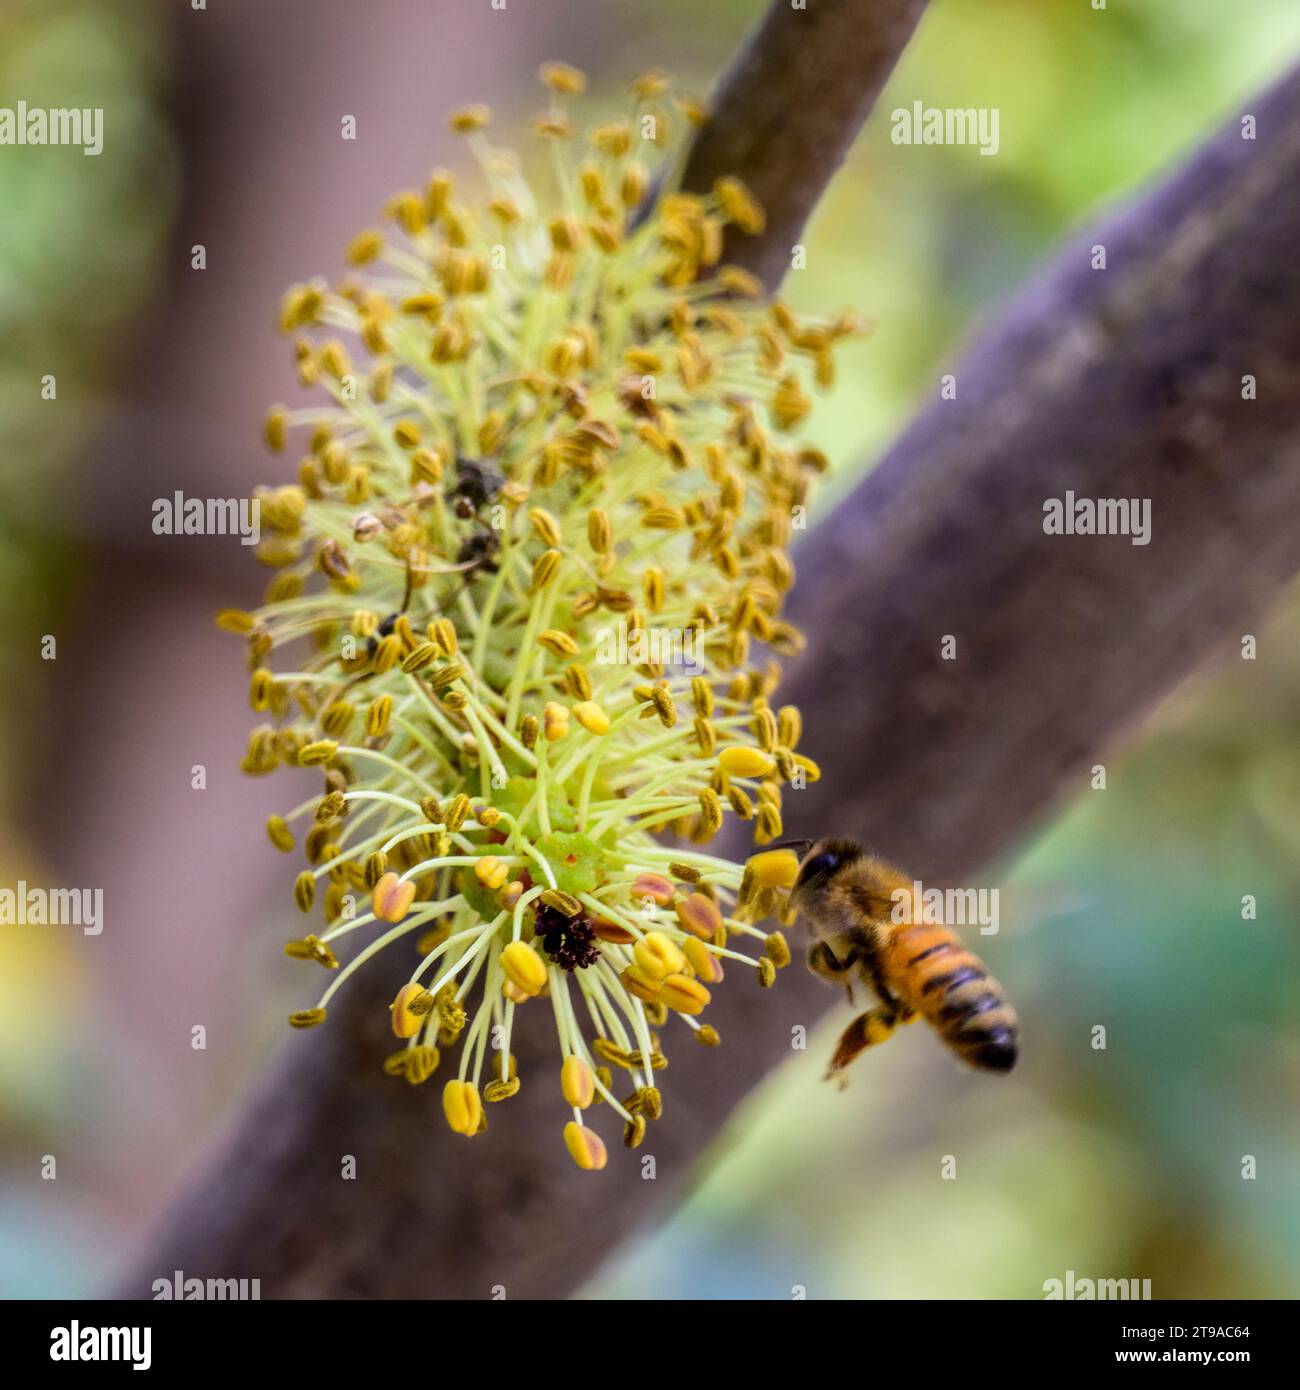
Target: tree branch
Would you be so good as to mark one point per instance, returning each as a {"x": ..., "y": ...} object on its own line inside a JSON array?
[
  {"x": 1122, "y": 383},
  {"x": 784, "y": 115},
  {"x": 1118, "y": 383}
]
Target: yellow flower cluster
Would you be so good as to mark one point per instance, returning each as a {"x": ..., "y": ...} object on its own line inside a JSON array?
[{"x": 538, "y": 534}]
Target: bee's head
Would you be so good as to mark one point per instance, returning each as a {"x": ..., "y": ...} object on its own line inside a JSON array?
[{"x": 819, "y": 862}]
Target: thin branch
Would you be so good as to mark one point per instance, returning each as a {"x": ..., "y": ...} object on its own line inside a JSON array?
[
  {"x": 1125, "y": 382},
  {"x": 784, "y": 115}
]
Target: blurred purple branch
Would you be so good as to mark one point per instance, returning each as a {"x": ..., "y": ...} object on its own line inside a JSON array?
[
  {"x": 1123, "y": 382},
  {"x": 1117, "y": 383}
]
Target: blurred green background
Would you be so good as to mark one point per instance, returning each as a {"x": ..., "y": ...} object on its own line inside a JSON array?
[{"x": 1124, "y": 913}]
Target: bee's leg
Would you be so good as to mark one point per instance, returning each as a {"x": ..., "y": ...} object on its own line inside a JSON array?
[
  {"x": 868, "y": 1029},
  {"x": 893, "y": 1004},
  {"x": 822, "y": 961},
  {"x": 867, "y": 951}
]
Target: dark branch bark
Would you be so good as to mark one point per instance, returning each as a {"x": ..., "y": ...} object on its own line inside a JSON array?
[
  {"x": 784, "y": 115},
  {"x": 1118, "y": 383},
  {"x": 1122, "y": 383}
]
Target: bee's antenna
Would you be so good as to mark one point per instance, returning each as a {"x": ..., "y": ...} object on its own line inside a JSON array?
[{"x": 798, "y": 846}]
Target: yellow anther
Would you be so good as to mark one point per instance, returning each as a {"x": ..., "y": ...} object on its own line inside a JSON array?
[
  {"x": 376, "y": 867},
  {"x": 592, "y": 718},
  {"x": 600, "y": 531},
  {"x": 462, "y": 1107},
  {"x": 703, "y": 961},
  {"x": 555, "y": 719},
  {"x": 544, "y": 569},
  {"x": 423, "y": 655},
  {"x": 491, "y": 872},
  {"x": 562, "y": 78},
  {"x": 562, "y": 902},
  {"x": 778, "y": 950},
  {"x": 304, "y": 890},
  {"x": 656, "y": 887},
  {"x": 409, "y": 1009},
  {"x": 558, "y": 642},
  {"x": 321, "y": 751},
  {"x": 700, "y": 916},
  {"x": 639, "y": 984},
  {"x": 585, "y": 1146},
  {"x": 524, "y": 968},
  {"x": 280, "y": 835},
  {"x": 470, "y": 118},
  {"x": 421, "y": 1063},
  {"x": 378, "y": 713},
  {"x": 740, "y": 205},
  {"x": 545, "y": 527},
  {"x": 710, "y": 812},
  {"x": 658, "y": 955},
  {"x": 275, "y": 426},
  {"x": 236, "y": 620},
  {"x": 443, "y": 631},
  {"x": 577, "y": 1083},
  {"x": 774, "y": 868},
  {"x": 684, "y": 995},
  {"x": 392, "y": 898},
  {"x": 458, "y": 810},
  {"x": 739, "y": 760},
  {"x": 790, "y": 403},
  {"x": 365, "y": 246}
]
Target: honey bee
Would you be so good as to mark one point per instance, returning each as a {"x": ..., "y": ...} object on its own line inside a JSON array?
[{"x": 915, "y": 968}]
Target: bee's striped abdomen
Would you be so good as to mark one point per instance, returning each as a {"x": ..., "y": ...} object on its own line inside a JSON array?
[{"x": 946, "y": 984}]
